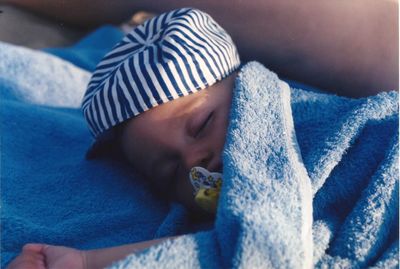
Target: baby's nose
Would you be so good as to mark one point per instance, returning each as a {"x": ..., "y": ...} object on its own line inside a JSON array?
[{"x": 199, "y": 158}]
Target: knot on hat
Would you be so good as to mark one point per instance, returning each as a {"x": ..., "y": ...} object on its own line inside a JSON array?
[{"x": 169, "y": 56}]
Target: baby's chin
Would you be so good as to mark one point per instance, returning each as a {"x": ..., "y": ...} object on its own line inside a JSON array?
[
  {"x": 197, "y": 214},
  {"x": 193, "y": 208}
]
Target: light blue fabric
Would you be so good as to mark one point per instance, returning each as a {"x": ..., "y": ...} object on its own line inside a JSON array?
[
  {"x": 269, "y": 203},
  {"x": 49, "y": 192},
  {"x": 346, "y": 177}
]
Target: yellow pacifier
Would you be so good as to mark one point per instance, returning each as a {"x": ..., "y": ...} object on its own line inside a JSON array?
[{"x": 207, "y": 186}]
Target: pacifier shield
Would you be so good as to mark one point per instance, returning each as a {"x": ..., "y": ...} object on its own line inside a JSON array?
[{"x": 202, "y": 178}]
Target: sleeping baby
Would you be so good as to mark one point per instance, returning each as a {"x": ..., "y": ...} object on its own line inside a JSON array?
[
  {"x": 162, "y": 96},
  {"x": 129, "y": 100},
  {"x": 310, "y": 179}
]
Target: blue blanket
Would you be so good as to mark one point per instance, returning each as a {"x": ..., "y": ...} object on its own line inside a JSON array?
[
  {"x": 309, "y": 178},
  {"x": 49, "y": 192}
]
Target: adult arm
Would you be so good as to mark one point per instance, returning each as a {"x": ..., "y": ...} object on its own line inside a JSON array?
[{"x": 349, "y": 47}]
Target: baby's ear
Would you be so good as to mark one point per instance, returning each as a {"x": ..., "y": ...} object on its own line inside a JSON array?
[{"x": 108, "y": 145}]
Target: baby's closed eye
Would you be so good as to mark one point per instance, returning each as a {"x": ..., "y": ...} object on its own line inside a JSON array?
[
  {"x": 206, "y": 123},
  {"x": 199, "y": 123}
]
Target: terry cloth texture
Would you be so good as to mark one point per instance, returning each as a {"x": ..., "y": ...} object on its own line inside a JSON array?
[
  {"x": 169, "y": 56},
  {"x": 334, "y": 205},
  {"x": 51, "y": 194}
]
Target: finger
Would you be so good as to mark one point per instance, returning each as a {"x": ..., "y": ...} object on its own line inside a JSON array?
[
  {"x": 40, "y": 263},
  {"x": 26, "y": 262},
  {"x": 32, "y": 256},
  {"x": 34, "y": 247}
]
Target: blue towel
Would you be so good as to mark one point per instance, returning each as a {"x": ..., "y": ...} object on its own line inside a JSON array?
[
  {"x": 309, "y": 178},
  {"x": 49, "y": 192}
]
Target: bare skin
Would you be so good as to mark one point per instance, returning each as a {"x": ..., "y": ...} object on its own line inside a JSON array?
[
  {"x": 42, "y": 256},
  {"x": 347, "y": 47},
  {"x": 31, "y": 257}
]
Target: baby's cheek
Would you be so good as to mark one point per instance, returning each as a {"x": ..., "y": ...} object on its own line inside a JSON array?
[
  {"x": 222, "y": 125},
  {"x": 219, "y": 140},
  {"x": 184, "y": 193}
]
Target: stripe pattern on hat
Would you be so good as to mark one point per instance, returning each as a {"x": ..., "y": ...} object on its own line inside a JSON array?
[{"x": 169, "y": 56}]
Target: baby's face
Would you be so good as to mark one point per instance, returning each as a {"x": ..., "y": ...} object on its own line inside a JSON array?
[{"x": 164, "y": 143}]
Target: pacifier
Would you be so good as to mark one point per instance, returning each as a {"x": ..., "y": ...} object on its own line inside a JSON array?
[{"x": 207, "y": 186}]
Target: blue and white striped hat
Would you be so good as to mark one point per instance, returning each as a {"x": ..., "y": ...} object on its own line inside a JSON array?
[{"x": 169, "y": 56}]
